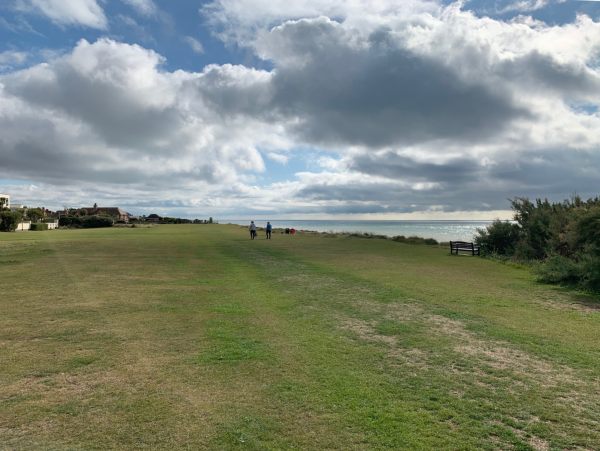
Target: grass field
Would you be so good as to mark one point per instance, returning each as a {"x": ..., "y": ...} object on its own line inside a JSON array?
[{"x": 196, "y": 337}]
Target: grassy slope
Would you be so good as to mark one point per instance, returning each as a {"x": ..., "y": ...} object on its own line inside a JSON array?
[{"x": 195, "y": 336}]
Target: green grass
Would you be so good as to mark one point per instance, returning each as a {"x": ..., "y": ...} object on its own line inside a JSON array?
[{"x": 196, "y": 337}]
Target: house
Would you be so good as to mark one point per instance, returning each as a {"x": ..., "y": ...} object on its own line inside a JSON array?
[
  {"x": 153, "y": 218},
  {"x": 23, "y": 226},
  {"x": 114, "y": 212},
  {"x": 4, "y": 201}
]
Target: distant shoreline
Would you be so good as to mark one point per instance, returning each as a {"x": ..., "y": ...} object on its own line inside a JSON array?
[{"x": 439, "y": 230}]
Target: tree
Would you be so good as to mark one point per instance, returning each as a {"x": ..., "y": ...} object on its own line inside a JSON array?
[
  {"x": 35, "y": 214},
  {"x": 9, "y": 220}
]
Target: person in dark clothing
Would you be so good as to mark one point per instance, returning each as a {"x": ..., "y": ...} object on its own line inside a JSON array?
[{"x": 269, "y": 230}]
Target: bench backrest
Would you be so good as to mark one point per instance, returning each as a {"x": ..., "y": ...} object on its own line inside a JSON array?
[{"x": 463, "y": 246}]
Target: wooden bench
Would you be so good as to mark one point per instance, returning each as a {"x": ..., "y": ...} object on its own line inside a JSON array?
[{"x": 462, "y": 246}]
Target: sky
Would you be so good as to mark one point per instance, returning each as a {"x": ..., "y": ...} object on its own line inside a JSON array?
[{"x": 348, "y": 109}]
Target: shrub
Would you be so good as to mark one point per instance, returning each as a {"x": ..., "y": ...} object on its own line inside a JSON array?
[
  {"x": 414, "y": 240},
  {"x": 559, "y": 269},
  {"x": 37, "y": 226},
  {"x": 90, "y": 222},
  {"x": 9, "y": 220},
  {"x": 564, "y": 237},
  {"x": 87, "y": 222},
  {"x": 588, "y": 228},
  {"x": 500, "y": 238},
  {"x": 535, "y": 223},
  {"x": 590, "y": 272},
  {"x": 69, "y": 221}
]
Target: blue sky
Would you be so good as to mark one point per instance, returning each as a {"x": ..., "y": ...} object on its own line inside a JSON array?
[
  {"x": 164, "y": 31},
  {"x": 345, "y": 109}
]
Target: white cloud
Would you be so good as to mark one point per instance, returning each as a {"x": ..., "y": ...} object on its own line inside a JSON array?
[
  {"x": 414, "y": 105},
  {"x": 10, "y": 59},
  {"x": 527, "y": 5},
  {"x": 278, "y": 157},
  {"x": 67, "y": 12},
  {"x": 241, "y": 19},
  {"x": 356, "y": 82},
  {"x": 194, "y": 44},
  {"x": 143, "y": 7},
  {"x": 106, "y": 113}
]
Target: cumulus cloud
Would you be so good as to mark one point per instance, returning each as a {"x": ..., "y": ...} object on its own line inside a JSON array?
[
  {"x": 107, "y": 113},
  {"x": 375, "y": 92},
  {"x": 432, "y": 95},
  {"x": 241, "y": 19},
  {"x": 85, "y": 13},
  {"x": 411, "y": 106}
]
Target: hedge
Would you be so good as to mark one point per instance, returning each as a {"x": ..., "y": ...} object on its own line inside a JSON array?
[
  {"x": 37, "y": 226},
  {"x": 87, "y": 222}
]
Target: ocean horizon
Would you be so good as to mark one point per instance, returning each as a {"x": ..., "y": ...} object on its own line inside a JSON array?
[{"x": 441, "y": 230}]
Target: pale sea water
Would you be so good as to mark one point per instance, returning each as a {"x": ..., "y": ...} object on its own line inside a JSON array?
[{"x": 440, "y": 230}]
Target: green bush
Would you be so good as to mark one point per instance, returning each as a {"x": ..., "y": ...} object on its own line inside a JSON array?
[
  {"x": 9, "y": 220},
  {"x": 37, "y": 226},
  {"x": 583, "y": 273},
  {"x": 90, "y": 222},
  {"x": 69, "y": 221},
  {"x": 588, "y": 228},
  {"x": 534, "y": 220},
  {"x": 499, "y": 238},
  {"x": 559, "y": 269},
  {"x": 590, "y": 272},
  {"x": 414, "y": 240},
  {"x": 87, "y": 222},
  {"x": 564, "y": 237}
]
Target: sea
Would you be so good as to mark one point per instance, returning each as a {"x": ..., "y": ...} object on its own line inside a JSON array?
[{"x": 442, "y": 231}]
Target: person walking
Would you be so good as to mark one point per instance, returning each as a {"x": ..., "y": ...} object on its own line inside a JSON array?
[
  {"x": 269, "y": 230},
  {"x": 252, "y": 229}
]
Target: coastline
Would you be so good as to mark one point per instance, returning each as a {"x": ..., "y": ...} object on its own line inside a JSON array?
[{"x": 439, "y": 230}]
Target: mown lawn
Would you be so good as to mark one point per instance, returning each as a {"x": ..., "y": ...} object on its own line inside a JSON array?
[{"x": 196, "y": 337}]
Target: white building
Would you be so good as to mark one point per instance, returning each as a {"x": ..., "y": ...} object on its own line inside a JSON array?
[{"x": 4, "y": 201}]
